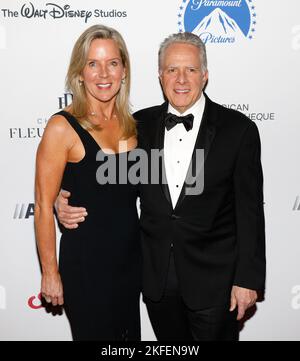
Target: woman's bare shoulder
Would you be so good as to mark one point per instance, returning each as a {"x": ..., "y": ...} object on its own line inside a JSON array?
[
  {"x": 58, "y": 124},
  {"x": 58, "y": 129}
]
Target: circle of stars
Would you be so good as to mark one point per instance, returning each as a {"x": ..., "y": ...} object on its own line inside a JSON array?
[
  {"x": 253, "y": 19},
  {"x": 251, "y": 6},
  {"x": 180, "y": 22}
]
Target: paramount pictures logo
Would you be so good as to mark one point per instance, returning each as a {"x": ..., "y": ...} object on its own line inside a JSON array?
[{"x": 218, "y": 22}]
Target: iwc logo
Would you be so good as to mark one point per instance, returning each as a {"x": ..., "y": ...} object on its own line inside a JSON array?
[{"x": 219, "y": 22}]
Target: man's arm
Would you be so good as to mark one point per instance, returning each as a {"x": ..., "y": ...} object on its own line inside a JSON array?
[
  {"x": 67, "y": 215},
  {"x": 250, "y": 225}
]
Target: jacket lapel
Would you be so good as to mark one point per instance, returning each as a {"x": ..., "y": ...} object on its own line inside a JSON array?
[
  {"x": 159, "y": 144},
  {"x": 204, "y": 140}
]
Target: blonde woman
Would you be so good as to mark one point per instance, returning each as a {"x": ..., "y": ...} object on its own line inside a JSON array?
[{"x": 98, "y": 276}]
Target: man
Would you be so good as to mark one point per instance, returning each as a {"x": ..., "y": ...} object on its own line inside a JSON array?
[{"x": 203, "y": 254}]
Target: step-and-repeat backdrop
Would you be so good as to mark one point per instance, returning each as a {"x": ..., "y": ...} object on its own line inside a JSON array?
[{"x": 254, "y": 65}]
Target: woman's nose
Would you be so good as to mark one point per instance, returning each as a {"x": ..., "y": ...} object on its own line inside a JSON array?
[{"x": 102, "y": 71}]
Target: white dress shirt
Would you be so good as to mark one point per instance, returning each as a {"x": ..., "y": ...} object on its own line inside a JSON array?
[{"x": 178, "y": 148}]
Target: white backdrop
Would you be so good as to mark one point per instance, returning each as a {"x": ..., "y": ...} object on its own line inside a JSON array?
[{"x": 259, "y": 75}]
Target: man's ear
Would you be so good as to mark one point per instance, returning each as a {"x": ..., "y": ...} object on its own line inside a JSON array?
[
  {"x": 205, "y": 77},
  {"x": 159, "y": 74}
]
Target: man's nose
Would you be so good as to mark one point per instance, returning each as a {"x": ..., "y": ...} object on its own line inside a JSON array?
[{"x": 181, "y": 76}]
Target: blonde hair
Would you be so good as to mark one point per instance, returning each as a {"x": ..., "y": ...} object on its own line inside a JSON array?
[{"x": 79, "y": 106}]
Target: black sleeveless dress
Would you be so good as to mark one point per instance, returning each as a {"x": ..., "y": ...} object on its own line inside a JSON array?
[{"x": 100, "y": 261}]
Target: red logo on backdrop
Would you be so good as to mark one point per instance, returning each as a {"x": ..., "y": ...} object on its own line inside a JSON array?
[{"x": 32, "y": 303}]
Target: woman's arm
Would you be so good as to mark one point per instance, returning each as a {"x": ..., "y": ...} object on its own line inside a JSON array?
[{"x": 52, "y": 155}]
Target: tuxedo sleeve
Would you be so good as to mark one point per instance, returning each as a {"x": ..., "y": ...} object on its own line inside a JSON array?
[{"x": 250, "y": 224}]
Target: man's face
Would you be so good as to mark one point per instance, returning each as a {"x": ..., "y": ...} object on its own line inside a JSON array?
[{"x": 181, "y": 75}]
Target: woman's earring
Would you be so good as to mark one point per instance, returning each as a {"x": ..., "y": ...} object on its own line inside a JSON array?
[
  {"x": 123, "y": 81},
  {"x": 80, "y": 82}
]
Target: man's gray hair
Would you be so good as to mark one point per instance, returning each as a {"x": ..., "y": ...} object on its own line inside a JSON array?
[{"x": 183, "y": 38}]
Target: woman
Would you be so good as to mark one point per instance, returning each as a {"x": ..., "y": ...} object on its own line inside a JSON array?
[{"x": 98, "y": 277}]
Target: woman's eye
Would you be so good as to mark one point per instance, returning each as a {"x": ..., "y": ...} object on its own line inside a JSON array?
[
  {"x": 114, "y": 63},
  {"x": 92, "y": 64}
]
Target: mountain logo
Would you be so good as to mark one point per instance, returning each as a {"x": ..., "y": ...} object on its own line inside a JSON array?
[{"x": 218, "y": 22}]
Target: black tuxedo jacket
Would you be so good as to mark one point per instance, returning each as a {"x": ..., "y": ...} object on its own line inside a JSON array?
[{"x": 217, "y": 236}]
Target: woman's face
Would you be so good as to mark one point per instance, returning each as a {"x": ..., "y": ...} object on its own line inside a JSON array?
[{"x": 103, "y": 71}]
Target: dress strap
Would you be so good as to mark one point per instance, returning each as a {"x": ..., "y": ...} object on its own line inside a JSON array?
[{"x": 85, "y": 137}]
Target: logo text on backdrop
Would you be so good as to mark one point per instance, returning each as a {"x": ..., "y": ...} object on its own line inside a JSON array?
[{"x": 219, "y": 22}]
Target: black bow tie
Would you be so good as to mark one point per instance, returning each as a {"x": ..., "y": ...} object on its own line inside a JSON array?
[{"x": 171, "y": 120}]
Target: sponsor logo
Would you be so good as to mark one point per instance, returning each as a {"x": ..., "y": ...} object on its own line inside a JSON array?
[
  {"x": 23, "y": 211},
  {"x": 34, "y": 132},
  {"x": 219, "y": 22},
  {"x": 37, "y": 131},
  {"x": 26, "y": 133},
  {"x": 255, "y": 116},
  {"x": 35, "y": 302},
  {"x": 65, "y": 100},
  {"x": 54, "y": 11}
]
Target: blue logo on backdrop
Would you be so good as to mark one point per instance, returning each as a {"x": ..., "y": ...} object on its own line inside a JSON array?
[{"x": 217, "y": 21}]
